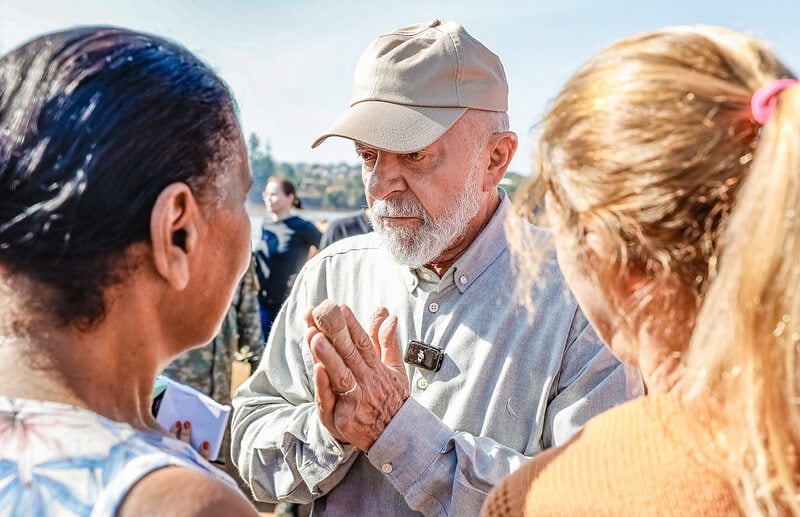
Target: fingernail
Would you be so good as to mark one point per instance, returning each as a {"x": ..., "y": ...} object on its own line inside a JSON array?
[
  {"x": 177, "y": 424},
  {"x": 204, "y": 445},
  {"x": 186, "y": 425}
]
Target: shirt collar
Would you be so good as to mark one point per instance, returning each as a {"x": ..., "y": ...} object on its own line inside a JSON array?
[{"x": 486, "y": 247}]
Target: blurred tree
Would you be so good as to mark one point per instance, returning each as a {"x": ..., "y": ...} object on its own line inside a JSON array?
[
  {"x": 329, "y": 186},
  {"x": 286, "y": 170},
  {"x": 511, "y": 182},
  {"x": 261, "y": 165},
  {"x": 253, "y": 147},
  {"x": 355, "y": 192},
  {"x": 336, "y": 199}
]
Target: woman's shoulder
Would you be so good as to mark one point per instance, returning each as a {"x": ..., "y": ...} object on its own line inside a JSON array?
[
  {"x": 91, "y": 460},
  {"x": 180, "y": 491},
  {"x": 655, "y": 434},
  {"x": 632, "y": 457},
  {"x": 296, "y": 222}
]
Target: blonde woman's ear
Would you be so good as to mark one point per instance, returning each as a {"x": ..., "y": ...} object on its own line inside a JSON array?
[
  {"x": 596, "y": 245},
  {"x": 633, "y": 279}
]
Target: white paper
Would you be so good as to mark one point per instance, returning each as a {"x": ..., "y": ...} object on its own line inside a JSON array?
[{"x": 208, "y": 417}]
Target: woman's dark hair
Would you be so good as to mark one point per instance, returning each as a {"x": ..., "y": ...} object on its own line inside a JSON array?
[
  {"x": 94, "y": 123},
  {"x": 288, "y": 188}
]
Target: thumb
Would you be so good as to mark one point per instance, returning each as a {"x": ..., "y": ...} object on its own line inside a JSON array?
[{"x": 391, "y": 354}]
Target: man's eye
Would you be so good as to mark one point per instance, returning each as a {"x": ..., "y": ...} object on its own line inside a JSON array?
[
  {"x": 366, "y": 155},
  {"x": 414, "y": 157}
]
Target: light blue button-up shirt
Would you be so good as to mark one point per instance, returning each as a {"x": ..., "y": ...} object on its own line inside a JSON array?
[{"x": 511, "y": 384}]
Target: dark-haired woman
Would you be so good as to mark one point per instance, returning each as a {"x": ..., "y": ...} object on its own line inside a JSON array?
[
  {"x": 123, "y": 233},
  {"x": 286, "y": 241}
]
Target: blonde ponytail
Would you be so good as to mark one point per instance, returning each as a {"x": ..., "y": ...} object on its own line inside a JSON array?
[{"x": 753, "y": 308}]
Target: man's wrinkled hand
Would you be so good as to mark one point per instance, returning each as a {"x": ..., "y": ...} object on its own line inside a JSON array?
[{"x": 360, "y": 378}]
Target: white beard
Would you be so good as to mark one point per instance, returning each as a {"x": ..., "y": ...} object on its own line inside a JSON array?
[{"x": 415, "y": 247}]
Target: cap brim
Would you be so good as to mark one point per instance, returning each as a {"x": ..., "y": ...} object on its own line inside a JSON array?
[{"x": 396, "y": 128}]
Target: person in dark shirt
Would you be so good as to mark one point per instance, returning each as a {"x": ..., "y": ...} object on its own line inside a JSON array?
[
  {"x": 354, "y": 224},
  {"x": 286, "y": 241}
]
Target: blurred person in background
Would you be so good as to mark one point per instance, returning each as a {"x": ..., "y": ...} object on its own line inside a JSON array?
[
  {"x": 286, "y": 243},
  {"x": 346, "y": 226}
]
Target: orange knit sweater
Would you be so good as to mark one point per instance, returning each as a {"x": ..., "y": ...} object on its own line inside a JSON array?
[{"x": 636, "y": 459}]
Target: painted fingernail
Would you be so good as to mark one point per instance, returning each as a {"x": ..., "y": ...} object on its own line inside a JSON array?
[
  {"x": 187, "y": 425},
  {"x": 204, "y": 445},
  {"x": 176, "y": 425}
]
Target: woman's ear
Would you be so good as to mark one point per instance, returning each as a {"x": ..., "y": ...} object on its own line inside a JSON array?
[
  {"x": 174, "y": 233},
  {"x": 501, "y": 151},
  {"x": 632, "y": 279},
  {"x": 596, "y": 246}
]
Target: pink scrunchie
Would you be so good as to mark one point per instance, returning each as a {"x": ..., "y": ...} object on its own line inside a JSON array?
[{"x": 764, "y": 100}]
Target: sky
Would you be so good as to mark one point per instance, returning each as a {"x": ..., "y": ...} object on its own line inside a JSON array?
[{"x": 290, "y": 62}]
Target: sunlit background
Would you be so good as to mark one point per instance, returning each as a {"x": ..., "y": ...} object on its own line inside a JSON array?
[{"x": 290, "y": 63}]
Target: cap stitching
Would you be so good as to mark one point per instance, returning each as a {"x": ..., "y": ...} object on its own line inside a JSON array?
[
  {"x": 455, "y": 41},
  {"x": 400, "y": 32},
  {"x": 380, "y": 67}
]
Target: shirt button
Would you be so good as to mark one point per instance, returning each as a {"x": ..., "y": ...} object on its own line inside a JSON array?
[
  {"x": 433, "y": 307},
  {"x": 422, "y": 383},
  {"x": 386, "y": 468},
  {"x": 463, "y": 279}
]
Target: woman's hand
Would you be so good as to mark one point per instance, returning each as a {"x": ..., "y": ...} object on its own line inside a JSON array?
[{"x": 183, "y": 432}]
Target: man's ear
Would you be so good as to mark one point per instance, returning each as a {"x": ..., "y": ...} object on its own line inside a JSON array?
[
  {"x": 501, "y": 151},
  {"x": 174, "y": 233}
]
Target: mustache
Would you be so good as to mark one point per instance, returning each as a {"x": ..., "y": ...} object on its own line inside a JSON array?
[{"x": 398, "y": 207}]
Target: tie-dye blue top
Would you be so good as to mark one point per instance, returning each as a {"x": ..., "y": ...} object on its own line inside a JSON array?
[{"x": 57, "y": 459}]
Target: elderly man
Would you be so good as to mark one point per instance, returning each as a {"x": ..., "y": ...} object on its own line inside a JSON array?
[{"x": 454, "y": 383}]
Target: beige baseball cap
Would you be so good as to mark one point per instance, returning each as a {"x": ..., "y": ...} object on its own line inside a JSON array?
[{"x": 412, "y": 84}]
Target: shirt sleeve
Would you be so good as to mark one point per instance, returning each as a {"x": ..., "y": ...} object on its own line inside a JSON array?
[
  {"x": 329, "y": 235},
  {"x": 313, "y": 235},
  {"x": 440, "y": 471},
  {"x": 279, "y": 445},
  {"x": 591, "y": 380}
]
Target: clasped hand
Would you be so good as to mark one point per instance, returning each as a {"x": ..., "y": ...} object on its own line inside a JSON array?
[{"x": 360, "y": 378}]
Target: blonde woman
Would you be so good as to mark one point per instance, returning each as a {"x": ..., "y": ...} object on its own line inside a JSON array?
[{"x": 670, "y": 169}]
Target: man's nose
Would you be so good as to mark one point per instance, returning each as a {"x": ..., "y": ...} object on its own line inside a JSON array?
[{"x": 386, "y": 176}]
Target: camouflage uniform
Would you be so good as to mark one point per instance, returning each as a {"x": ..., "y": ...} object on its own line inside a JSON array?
[{"x": 208, "y": 368}]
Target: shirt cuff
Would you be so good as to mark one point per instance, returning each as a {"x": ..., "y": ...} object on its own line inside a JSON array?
[
  {"x": 332, "y": 455},
  {"x": 409, "y": 444}
]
